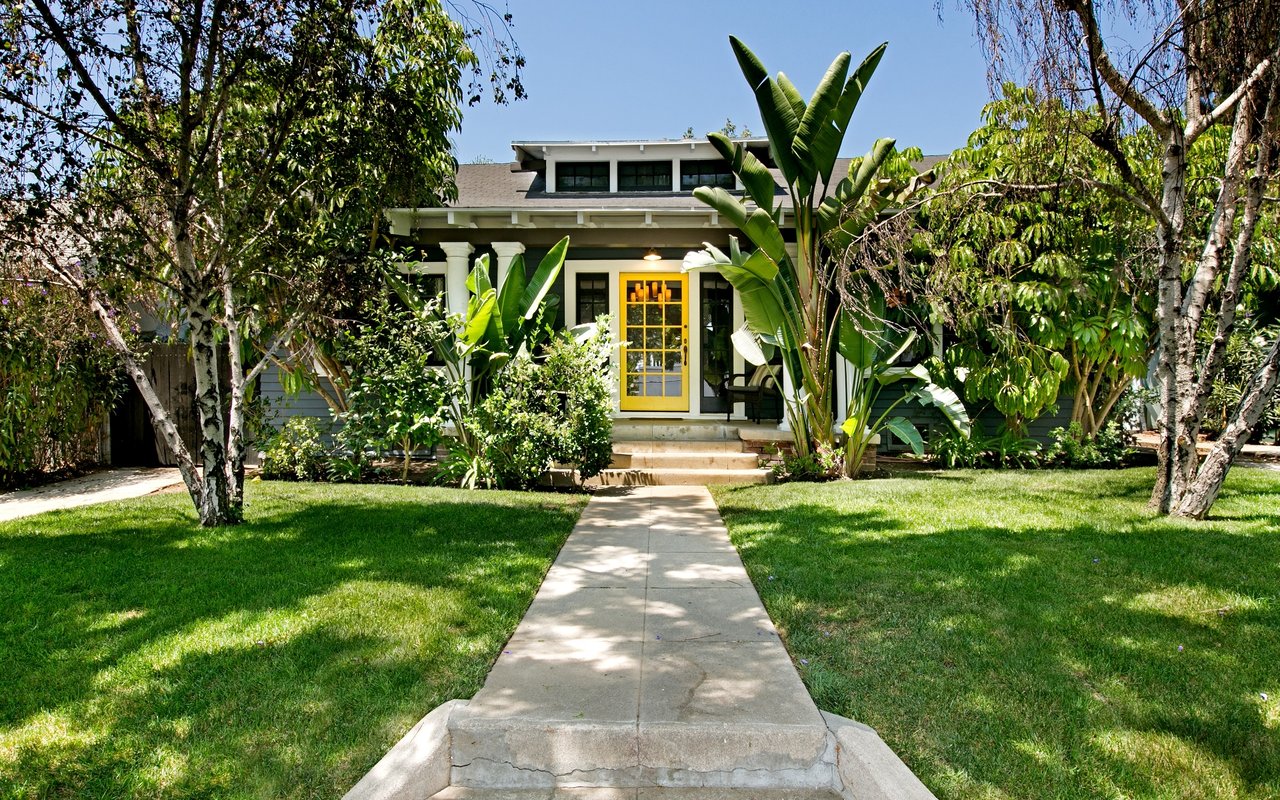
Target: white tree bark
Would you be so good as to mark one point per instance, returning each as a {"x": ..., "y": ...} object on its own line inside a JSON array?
[{"x": 1200, "y": 496}]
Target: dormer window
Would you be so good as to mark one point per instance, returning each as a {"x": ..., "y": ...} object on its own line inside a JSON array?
[
  {"x": 582, "y": 176},
  {"x": 644, "y": 176},
  {"x": 705, "y": 172}
]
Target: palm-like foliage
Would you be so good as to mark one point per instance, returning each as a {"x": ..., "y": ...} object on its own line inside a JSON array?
[{"x": 789, "y": 295}]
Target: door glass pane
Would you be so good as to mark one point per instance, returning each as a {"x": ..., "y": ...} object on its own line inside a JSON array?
[{"x": 716, "y": 350}]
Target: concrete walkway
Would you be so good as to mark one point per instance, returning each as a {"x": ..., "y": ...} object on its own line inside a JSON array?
[
  {"x": 97, "y": 487},
  {"x": 646, "y": 667}
]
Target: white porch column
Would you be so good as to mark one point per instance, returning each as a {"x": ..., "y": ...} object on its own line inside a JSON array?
[
  {"x": 506, "y": 252},
  {"x": 456, "y": 255}
]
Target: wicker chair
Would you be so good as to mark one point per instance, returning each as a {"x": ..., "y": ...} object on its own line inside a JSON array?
[{"x": 753, "y": 389}]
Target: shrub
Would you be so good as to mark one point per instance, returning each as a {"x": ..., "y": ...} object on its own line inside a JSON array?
[
  {"x": 1007, "y": 449},
  {"x": 823, "y": 464},
  {"x": 58, "y": 380},
  {"x": 537, "y": 414},
  {"x": 295, "y": 452},
  {"x": 953, "y": 450},
  {"x": 1071, "y": 448}
]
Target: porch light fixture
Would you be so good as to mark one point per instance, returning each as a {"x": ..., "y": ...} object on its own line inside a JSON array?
[{"x": 653, "y": 255}]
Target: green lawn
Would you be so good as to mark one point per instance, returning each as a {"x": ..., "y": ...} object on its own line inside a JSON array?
[
  {"x": 1034, "y": 634},
  {"x": 141, "y": 656}
]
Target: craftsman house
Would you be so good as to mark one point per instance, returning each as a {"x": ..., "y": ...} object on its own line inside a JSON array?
[{"x": 629, "y": 211}]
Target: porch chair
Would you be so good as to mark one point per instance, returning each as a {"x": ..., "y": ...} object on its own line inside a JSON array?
[{"x": 751, "y": 388}]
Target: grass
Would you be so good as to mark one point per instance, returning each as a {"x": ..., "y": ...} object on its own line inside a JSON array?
[
  {"x": 1034, "y": 634},
  {"x": 145, "y": 657}
]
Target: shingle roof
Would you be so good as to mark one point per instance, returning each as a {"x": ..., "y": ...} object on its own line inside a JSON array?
[{"x": 505, "y": 186}]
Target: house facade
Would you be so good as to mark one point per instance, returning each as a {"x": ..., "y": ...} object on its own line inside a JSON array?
[{"x": 629, "y": 211}]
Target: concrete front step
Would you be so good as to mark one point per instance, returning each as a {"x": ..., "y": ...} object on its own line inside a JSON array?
[
  {"x": 673, "y": 430},
  {"x": 684, "y": 460},
  {"x": 663, "y": 476},
  {"x": 640, "y": 793},
  {"x": 678, "y": 446}
]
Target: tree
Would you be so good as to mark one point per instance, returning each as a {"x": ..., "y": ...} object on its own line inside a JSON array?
[
  {"x": 1208, "y": 64},
  {"x": 211, "y": 162},
  {"x": 1044, "y": 276},
  {"x": 397, "y": 397},
  {"x": 789, "y": 296}
]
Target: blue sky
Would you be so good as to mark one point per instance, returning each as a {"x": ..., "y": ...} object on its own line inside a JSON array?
[{"x": 621, "y": 69}]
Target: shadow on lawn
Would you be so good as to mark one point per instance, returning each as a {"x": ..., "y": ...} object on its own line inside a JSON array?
[
  {"x": 1025, "y": 662},
  {"x": 151, "y": 640}
]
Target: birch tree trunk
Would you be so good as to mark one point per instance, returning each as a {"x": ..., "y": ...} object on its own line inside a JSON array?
[
  {"x": 1201, "y": 495},
  {"x": 162, "y": 420},
  {"x": 1172, "y": 450}
]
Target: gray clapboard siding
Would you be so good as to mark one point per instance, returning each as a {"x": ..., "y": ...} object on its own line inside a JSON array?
[{"x": 283, "y": 406}]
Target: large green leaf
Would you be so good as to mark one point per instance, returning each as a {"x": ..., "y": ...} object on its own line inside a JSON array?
[
  {"x": 728, "y": 206},
  {"x": 755, "y": 176},
  {"x": 792, "y": 95},
  {"x": 773, "y": 104},
  {"x": 853, "y": 343},
  {"x": 478, "y": 279},
  {"x": 818, "y": 113},
  {"x": 544, "y": 277},
  {"x": 762, "y": 229},
  {"x": 904, "y": 430},
  {"x": 753, "y": 350},
  {"x": 479, "y": 310},
  {"x": 511, "y": 293},
  {"x": 825, "y": 145},
  {"x": 754, "y": 277},
  {"x": 851, "y": 191},
  {"x": 899, "y": 347},
  {"x": 948, "y": 402}
]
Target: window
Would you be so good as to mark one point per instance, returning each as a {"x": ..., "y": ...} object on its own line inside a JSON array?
[
  {"x": 644, "y": 176},
  {"x": 713, "y": 172},
  {"x": 593, "y": 296},
  {"x": 582, "y": 176},
  {"x": 427, "y": 284}
]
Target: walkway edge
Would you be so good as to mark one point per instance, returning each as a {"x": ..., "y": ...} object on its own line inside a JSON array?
[
  {"x": 418, "y": 766},
  {"x": 867, "y": 767}
]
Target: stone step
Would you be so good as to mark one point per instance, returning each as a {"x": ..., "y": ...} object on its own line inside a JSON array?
[
  {"x": 685, "y": 460},
  {"x": 664, "y": 476},
  {"x": 641, "y": 793},
  {"x": 678, "y": 430},
  {"x": 521, "y": 753},
  {"x": 678, "y": 446}
]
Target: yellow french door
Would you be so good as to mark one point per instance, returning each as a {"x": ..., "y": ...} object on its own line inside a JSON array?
[{"x": 655, "y": 335}]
